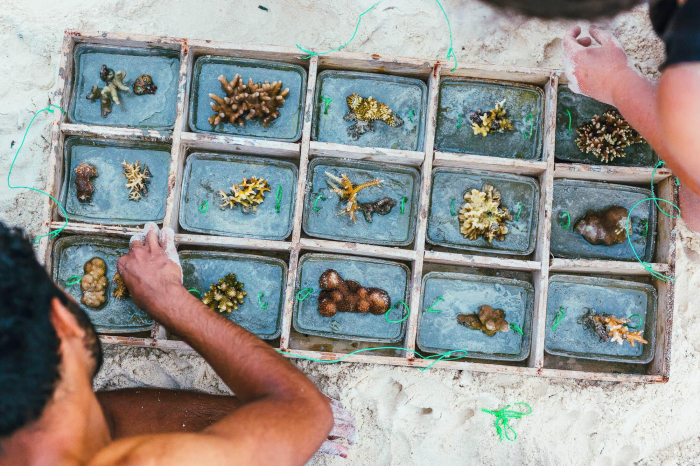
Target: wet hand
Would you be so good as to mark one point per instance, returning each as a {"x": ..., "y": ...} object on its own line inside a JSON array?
[{"x": 343, "y": 428}]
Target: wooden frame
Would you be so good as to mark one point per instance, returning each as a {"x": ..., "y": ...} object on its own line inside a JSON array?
[{"x": 538, "y": 265}]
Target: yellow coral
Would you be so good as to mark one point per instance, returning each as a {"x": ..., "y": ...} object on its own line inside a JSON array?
[
  {"x": 225, "y": 295},
  {"x": 494, "y": 120},
  {"x": 483, "y": 215},
  {"x": 607, "y": 136},
  {"x": 618, "y": 331},
  {"x": 248, "y": 194},
  {"x": 368, "y": 109},
  {"x": 347, "y": 191},
  {"x": 120, "y": 290},
  {"x": 137, "y": 177}
]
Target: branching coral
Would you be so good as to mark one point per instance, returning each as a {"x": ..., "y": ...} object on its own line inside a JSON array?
[
  {"x": 144, "y": 85},
  {"x": 382, "y": 207},
  {"x": 108, "y": 94},
  {"x": 607, "y": 226},
  {"x": 347, "y": 191},
  {"x": 338, "y": 295},
  {"x": 610, "y": 328},
  {"x": 137, "y": 179},
  {"x": 483, "y": 214},
  {"x": 244, "y": 102},
  {"x": 225, "y": 295},
  {"x": 120, "y": 290},
  {"x": 94, "y": 283},
  {"x": 363, "y": 111},
  {"x": 492, "y": 121},
  {"x": 83, "y": 173},
  {"x": 607, "y": 136},
  {"x": 488, "y": 320},
  {"x": 249, "y": 194}
]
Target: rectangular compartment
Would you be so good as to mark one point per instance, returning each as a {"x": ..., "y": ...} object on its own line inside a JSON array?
[
  {"x": 110, "y": 204},
  {"x": 259, "y": 274},
  {"x": 407, "y": 97},
  {"x": 148, "y": 111},
  {"x": 439, "y": 332},
  {"x": 207, "y": 69},
  {"x": 69, "y": 257},
  {"x": 393, "y": 277},
  {"x": 577, "y": 197},
  {"x": 321, "y": 218},
  {"x": 516, "y": 191},
  {"x": 460, "y": 97},
  {"x": 207, "y": 174},
  {"x": 582, "y": 109},
  {"x": 616, "y": 297}
]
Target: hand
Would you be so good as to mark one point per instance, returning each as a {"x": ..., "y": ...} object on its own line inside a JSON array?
[
  {"x": 595, "y": 70},
  {"x": 151, "y": 270},
  {"x": 343, "y": 427}
]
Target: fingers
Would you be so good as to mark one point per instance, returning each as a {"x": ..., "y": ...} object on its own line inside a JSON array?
[
  {"x": 152, "y": 240},
  {"x": 333, "y": 448},
  {"x": 602, "y": 36},
  {"x": 570, "y": 43},
  {"x": 585, "y": 41},
  {"x": 344, "y": 423},
  {"x": 121, "y": 265}
]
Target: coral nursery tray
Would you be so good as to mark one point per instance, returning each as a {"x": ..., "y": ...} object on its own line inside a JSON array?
[
  {"x": 576, "y": 198},
  {"x": 573, "y": 110},
  {"x": 207, "y": 69},
  {"x": 208, "y": 174},
  {"x": 389, "y": 276},
  {"x": 110, "y": 204},
  {"x": 322, "y": 217},
  {"x": 574, "y": 295},
  {"x": 263, "y": 278},
  {"x": 447, "y": 295},
  {"x": 459, "y": 98},
  {"x": 412, "y": 253},
  {"x": 149, "y": 111},
  {"x": 518, "y": 194},
  {"x": 69, "y": 257},
  {"x": 405, "y": 96}
]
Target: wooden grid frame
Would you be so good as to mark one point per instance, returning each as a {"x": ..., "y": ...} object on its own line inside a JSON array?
[{"x": 538, "y": 265}]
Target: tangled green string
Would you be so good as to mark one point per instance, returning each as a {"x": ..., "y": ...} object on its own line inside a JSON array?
[
  {"x": 73, "y": 280},
  {"x": 303, "y": 294},
  {"x": 204, "y": 207},
  {"x": 54, "y": 233},
  {"x": 558, "y": 318},
  {"x": 262, "y": 305},
  {"x": 503, "y": 417},
  {"x": 516, "y": 327},
  {"x": 437, "y": 300},
  {"x": 532, "y": 126},
  {"x": 396, "y": 306},
  {"x": 320, "y": 196},
  {"x": 411, "y": 114},
  {"x": 565, "y": 216},
  {"x": 639, "y": 324},
  {"x": 403, "y": 203},
  {"x": 326, "y": 101}
]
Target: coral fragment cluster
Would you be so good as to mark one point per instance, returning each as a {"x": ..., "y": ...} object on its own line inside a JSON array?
[
  {"x": 491, "y": 121},
  {"x": 610, "y": 328},
  {"x": 94, "y": 283},
  {"x": 607, "y": 136},
  {"x": 607, "y": 226},
  {"x": 364, "y": 111},
  {"x": 84, "y": 188},
  {"x": 338, "y": 295},
  {"x": 137, "y": 179},
  {"x": 483, "y": 215},
  {"x": 488, "y": 320},
  {"x": 108, "y": 94},
  {"x": 249, "y": 194},
  {"x": 347, "y": 191},
  {"x": 226, "y": 295},
  {"x": 244, "y": 102}
]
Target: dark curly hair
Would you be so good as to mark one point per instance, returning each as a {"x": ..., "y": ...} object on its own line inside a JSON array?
[
  {"x": 568, "y": 9},
  {"x": 29, "y": 346}
]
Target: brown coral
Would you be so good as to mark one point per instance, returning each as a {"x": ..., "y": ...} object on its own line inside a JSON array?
[
  {"x": 363, "y": 111},
  {"x": 244, "y": 102},
  {"x": 225, "y": 295},
  {"x": 144, "y": 85},
  {"x": 492, "y": 121},
  {"x": 83, "y": 173},
  {"x": 137, "y": 179},
  {"x": 120, "y": 290},
  {"x": 488, "y": 320},
  {"x": 483, "y": 214},
  {"x": 610, "y": 328},
  {"x": 340, "y": 295},
  {"x": 94, "y": 283},
  {"x": 248, "y": 194},
  {"x": 108, "y": 94},
  {"x": 607, "y": 137},
  {"x": 606, "y": 226},
  {"x": 381, "y": 207},
  {"x": 347, "y": 191}
]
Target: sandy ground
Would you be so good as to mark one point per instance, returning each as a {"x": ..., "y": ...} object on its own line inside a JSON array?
[{"x": 404, "y": 416}]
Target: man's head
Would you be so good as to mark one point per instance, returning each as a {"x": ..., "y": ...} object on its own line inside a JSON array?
[
  {"x": 569, "y": 9},
  {"x": 42, "y": 331}
]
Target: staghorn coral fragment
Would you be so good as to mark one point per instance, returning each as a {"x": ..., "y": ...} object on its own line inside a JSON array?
[
  {"x": 483, "y": 214},
  {"x": 338, "y": 295},
  {"x": 249, "y": 194},
  {"x": 347, "y": 191},
  {"x": 610, "y": 328},
  {"x": 120, "y": 290},
  {"x": 84, "y": 188},
  {"x": 226, "y": 295},
  {"x": 94, "y": 283},
  {"x": 108, "y": 94},
  {"x": 607, "y": 136},
  {"x": 244, "y": 102},
  {"x": 606, "y": 226},
  {"x": 492, "y": 121},
  {"x": 382, "y": 207},
  {"x": 137, "y": 179},
  {"x": 488, "y": 320},
  {"x": 144, "y": 85},
  {"x": 364, "y": 111}
]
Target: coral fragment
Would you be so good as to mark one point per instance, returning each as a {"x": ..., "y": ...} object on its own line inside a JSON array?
[
  {"x": 364, "y": 111},
  {"x": 338, "y": 295},
  {"x": 607, "y": 136},
  {"x": 137, "y": 179},
  {"x": 94, "y": 283},
  {"x": 249, "y": 194},
  {"x": 83, "y": 173},
  {"x": 245, "y": 102},
  {"x": 382, "y": 207},
  {"x": 488, "y": 320},
  {"x": 483, "y": 215},
  {"x": 347, "y": 192},
  {"x": 492, "y": 121},
  {"x": 226, "y": 295},
  {"x": 144, "y": 85},
  {"x": 108, "y": 94},
  {"x": 120, "y": 290},
  {"x": 610, "y": 328},
  {"x": 606, "y": 226}
]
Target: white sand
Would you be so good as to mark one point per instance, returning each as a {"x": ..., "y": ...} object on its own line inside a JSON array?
[{"x": 404, "y": 416}]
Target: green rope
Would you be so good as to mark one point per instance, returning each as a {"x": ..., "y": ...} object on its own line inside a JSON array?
[
  {"x": 320, "y": 196},
  {"x": 54, "y": 233},
  {"x": 403, "y": 202},
  {"x": 638, "y": 325},
  {"x": 437, "y": 300},
  {"x": 306, "y": 291},
  {"x": 73, "y": 280},
  {"x": 278, "y": 198},
  {"x": 558, "y": 318},
  {"x": 450, "y": 51},
  {"x": 326, "y": 101},
  {"x": 411, "y": 114},
  {"x": 195, "y": 290},
  {"x": 566, "y": 215},
  {"x": 569, "y": 113},
  {"x": 262, "y": 305},
  {"x": 452, "y": 208},
  {"x": 678, "y": 182},
  {"x": 204, "y": 207},
  {"x": 502, "y": 420},
  {"x": 520, "y": 209},
  {"x": 516, "y": 327},
  {"x": 396, "y": 306},
  {"x": 459, "y": 121},
  {"x": 532, "y": 126}
]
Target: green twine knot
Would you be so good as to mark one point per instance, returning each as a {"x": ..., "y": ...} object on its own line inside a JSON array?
[
  {"x": 565, "y": 216},
  {"x": 558, "y": 318},
  {"x": 459, "y": 121},
  {"x": 437, "y": 300},
  {"x": 520, "y": 209},
  {"x": 195, "y": 290},
  {"x": 531, "y": 118},
  {"x": 639, "y": 324},
  {"x": 403, "y": 203},
  {"x": 320, "y": 196},
  {"x": 396, "y": 306},
  {"x": 326, "y": 101},
  {"x": 204, "y": 207},
  {"x": 303, "y": 294},
  {"x": 516, "y": 328},
  {"x": 262, "y": 305},
  {"x": 73, "y": 280},
  {"x": 278, "y": 199},
  {"x": 411, "y": 114},
  {"x": 503, "y": 417}
]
